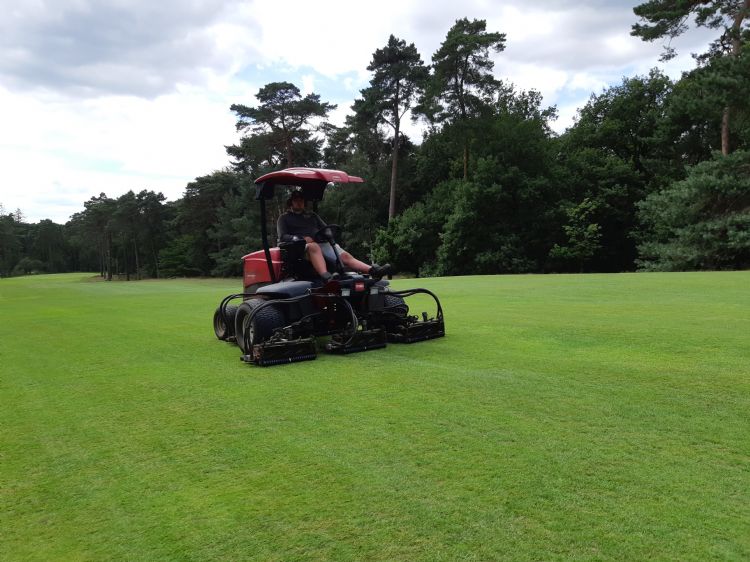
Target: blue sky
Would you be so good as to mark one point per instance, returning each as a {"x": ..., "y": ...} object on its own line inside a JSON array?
[{"x": 111, "y": 95}]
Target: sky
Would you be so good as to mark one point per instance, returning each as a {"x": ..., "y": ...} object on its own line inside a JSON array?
[{"x": 116, "y": 95}]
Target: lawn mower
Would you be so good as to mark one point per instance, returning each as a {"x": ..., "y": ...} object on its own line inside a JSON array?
[{"x": 286, "y": 306}]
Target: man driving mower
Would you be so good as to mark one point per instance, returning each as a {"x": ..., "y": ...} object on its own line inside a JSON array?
[{"x": 298, "y": 223}]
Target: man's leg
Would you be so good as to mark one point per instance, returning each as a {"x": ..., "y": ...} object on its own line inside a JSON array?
[
  {"x": 315, "y": 255},
  {"x": 377, "y": 271},
  {"x": 353, "y": 263}
]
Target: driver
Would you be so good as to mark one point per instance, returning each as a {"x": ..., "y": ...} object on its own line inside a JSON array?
[{"x": 298, "y": 222}]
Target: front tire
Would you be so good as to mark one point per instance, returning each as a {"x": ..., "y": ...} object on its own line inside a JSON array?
[{"x": 251, "y": 331}]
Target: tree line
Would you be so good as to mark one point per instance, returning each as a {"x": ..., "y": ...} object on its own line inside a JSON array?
[{"x": 653, "y": 175}]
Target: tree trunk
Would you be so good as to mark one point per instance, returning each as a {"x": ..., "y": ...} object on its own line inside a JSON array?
[
  {"x": 102, "y": 257},
  {"x": 394, "y": 174},
  {"x": 137, "y": 260},
  {"x": 156, "y": 258},
  {"x": 125, "y": 259},
  {"x": 288, "y": 143},
  {"x": 109, "y": 256},
  {"x": 725, "y": 131},
  {"x": 464, "y": 122}
]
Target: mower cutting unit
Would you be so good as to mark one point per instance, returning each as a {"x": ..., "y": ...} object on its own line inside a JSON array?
[{"x": 286, "y": 305}]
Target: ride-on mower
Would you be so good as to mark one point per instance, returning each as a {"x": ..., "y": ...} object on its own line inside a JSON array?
[{"x": 286, "y": 305}]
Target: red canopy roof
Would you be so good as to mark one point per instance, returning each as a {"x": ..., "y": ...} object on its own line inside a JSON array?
[
  {"x": 313, "y": 181},
  {"x": 302, "y": 176}
]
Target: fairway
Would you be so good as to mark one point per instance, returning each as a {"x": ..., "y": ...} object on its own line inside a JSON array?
[{"x": 583, "y": 417}]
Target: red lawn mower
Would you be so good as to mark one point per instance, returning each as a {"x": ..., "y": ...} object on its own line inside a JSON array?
[{"x": 286, "y": 305}]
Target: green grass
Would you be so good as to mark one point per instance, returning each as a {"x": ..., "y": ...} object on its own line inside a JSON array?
[{"x": 563, "y": 417}]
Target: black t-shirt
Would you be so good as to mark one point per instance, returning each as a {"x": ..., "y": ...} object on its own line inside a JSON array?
[{"x": 298, "y": 224}]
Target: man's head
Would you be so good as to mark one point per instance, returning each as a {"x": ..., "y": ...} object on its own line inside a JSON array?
[{"x": 297, "y": 201}]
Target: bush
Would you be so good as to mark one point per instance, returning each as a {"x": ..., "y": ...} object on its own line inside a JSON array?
[
  {"x": 702, "y": 222},
  {"x": 28, "y": 266}
]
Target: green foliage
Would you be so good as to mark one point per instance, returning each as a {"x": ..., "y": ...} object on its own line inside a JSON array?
[
  {"x": 491, "y": 224},
  {"x": 399, "y": 76},
  {"x": 236, "y": 231},
  {"x": 694, "y": 109},
  {"x": 95, "y": 224},
  {"x": 10, "y": 245},
  {"x": 27, "y": 266},
  {"x": 280, "y": 132},
  {"x": 583, "y": 236},
  {"x": 117, "y": 236},
  {"x": 411, "y": 241},
  {"x": 179, "y": 257},
  {"x": 617, "y": 152},
  {"x": 504, "y": 221},
  {"x": 669, "y": 19},
  {"x": 462, "y": 84},
  {"x": 624, "y": 120},
  {"x": 49, "y": 247},
  {"x": 478, "y": 238},
  {"x": 462, "y": 88},
  {"x": 532, "y": 202},
  {"x": 197, "y": 213},
  {"x": 693, "y": 119},
  {"x": 726, "y": 80},
  {"x": 702, "y": 222},
  {"x": 360, "y": 210},
  {"x": 361, "y": 138}
]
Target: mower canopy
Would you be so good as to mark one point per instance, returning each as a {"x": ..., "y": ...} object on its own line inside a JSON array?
[{"x": 312, "y": 181}]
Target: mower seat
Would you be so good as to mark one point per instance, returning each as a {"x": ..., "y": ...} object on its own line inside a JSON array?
[{"x": 296, "y": 265}]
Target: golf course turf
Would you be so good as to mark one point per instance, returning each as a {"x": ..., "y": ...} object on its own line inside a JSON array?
[{"x": 563, "y": 417}]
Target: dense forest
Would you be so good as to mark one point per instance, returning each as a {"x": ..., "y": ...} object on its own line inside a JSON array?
[{"x": 653, "y": 175}]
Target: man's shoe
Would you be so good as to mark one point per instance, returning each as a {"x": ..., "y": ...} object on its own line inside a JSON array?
[{"x": 380, "y": 271}]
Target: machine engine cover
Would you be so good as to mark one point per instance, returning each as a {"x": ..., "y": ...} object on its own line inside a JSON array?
[{"x": 255, "y": 267}]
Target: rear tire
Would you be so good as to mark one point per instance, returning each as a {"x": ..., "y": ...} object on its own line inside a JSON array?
[
  {"x": 262, "y": 325},
  {"x": 394, "y": 315},
  {"x": 224, "y": 326},
  {"x": 396, "y": 305}
]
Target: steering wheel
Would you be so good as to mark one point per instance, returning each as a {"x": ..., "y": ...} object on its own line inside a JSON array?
[{"x": 328, "y": 233}]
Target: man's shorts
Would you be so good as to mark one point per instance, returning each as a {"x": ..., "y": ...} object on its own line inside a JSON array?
[{"x": 328, "y": 251}]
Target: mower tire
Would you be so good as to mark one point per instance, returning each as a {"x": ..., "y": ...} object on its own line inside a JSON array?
[
  {"x": 396, "y": 305},
  {"x": 260, "y": 327},
  {"x": 224, "y": 325}
]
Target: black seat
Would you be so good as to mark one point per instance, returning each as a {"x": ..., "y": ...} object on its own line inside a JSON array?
[{"x": 295, "y": 263}]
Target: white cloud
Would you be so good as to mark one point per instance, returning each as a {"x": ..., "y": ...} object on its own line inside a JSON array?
[
  {"x": 59, "y": 148},
  {"x": 131, "y": 94},
  {"x": 333, "y": 36},
  {"x": 308, "y": 84}
]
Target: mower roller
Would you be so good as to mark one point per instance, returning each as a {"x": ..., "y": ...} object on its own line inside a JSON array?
[{"x": 286, "y": 305}]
